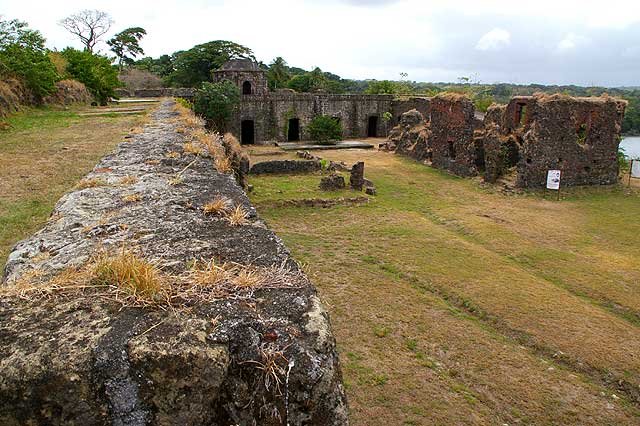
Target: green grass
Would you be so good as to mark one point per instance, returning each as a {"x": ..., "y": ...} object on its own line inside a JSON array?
[
  {"x": 43, "y": 154},
  {"x": 479, "y": 289}
]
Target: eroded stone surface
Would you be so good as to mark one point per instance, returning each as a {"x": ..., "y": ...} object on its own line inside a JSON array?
[{"x": 80, "y": 359}]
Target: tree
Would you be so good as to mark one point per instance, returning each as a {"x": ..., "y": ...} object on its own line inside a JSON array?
[
  {"x": 163, "y": 66},
  {"x": 382, "y": 87},
  {"x": 89, "y": 26},
  {"x": 126, "y": 45},
  {"x": 95, "y": 71},
  {"x": 195, "y": 66},
  {"x": 23, "y": 55},
  {"x": 217, "y": 102},
  {"x": 278, "y": 74}
]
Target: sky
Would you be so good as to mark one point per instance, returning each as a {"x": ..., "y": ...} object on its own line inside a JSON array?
[{"x": 516, "y": 41}]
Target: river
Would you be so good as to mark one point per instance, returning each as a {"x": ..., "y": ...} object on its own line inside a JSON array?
[{"x": 631, "y": 145}]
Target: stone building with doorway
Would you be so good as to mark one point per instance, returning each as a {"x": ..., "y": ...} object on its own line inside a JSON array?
[{"x": 284, "y": 115}]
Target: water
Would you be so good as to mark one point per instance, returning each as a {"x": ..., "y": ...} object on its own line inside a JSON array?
[{"x": 631, "y": 146}]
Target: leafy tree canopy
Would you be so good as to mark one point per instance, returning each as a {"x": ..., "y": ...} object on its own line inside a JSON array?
[
  {"x": 23, "y": 55},
  {"x": 195, "y": 66},
  {"x": 217, "y": 102},
  {"x": 126, "y": 45},
  {"x": 95, "y": 71}
]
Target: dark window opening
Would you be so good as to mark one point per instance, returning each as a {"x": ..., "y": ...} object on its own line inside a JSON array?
[
  {"x": 451, "y": 150},
  {"x": 247, "y": 132},
  {"x": 479, "y": 154},
  {"x": 372, "y": 127},
  {"x": 293, "y": 133},
  {"x": 582, "y": 133},
  {"x": 246, "y": 88},
  {"x": 521, "y": 114}
]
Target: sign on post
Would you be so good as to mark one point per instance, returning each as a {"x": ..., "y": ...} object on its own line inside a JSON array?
[
  {"x": 553, "y": 179},
  {"x": 635, "y": 168}
]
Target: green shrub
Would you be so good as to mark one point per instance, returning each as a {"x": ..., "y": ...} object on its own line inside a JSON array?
[
  {"x": 95, "y": 71},
  {"x": 216, "y": 102},
  {"x": 23, "y": 55},
  {"x": 324, "y": 129},
  {"x": 185, "y": 103}
]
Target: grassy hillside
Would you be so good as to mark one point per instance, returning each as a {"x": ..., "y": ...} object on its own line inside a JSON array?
[
  {"x": 454, "y": 303},
  {"x": 43, "y": 153}
]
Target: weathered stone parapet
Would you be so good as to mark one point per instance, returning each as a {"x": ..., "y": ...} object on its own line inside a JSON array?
[
  {"x": 285, "y": 167},
  {"x": 78, "y": 355}
]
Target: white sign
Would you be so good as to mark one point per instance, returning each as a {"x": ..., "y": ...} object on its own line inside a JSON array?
[
  {"x": 553, "y": 179},
  {"x": 635, "y": 168}
]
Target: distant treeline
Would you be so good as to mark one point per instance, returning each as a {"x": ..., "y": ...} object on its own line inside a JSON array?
[{"x": 192, "y": 67}]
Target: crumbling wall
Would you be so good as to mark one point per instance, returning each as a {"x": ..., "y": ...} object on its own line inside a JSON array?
[
  {"x": 451, "y": 139},
  {"x": 411, "y": 137},
  {"x": 579, "y": 136},
  {"x": 401, "y": 105},
  {"x": 259, "y": 352},
  {"x": 445, "y": 140}
]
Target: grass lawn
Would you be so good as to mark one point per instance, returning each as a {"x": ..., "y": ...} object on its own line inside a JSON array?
[
  {"x": 454, "y": 303},
  {"x": 43, "y": 153}
]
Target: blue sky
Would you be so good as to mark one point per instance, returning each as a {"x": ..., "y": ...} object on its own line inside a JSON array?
[{"x": 551, "y": 42}]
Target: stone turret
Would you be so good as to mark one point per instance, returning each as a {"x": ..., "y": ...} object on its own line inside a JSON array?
[{"x": 246, "y": 74}]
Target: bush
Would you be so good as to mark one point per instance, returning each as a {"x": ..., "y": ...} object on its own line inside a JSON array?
[
  {"x": 23, "y": 55},
  {"x": 216, "y": 102},
  {"x": 94, "y": 71},
  {"x": 325, "y": 129}
]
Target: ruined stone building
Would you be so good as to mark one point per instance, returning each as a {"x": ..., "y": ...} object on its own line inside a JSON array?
[
  {"x": 521, "y": 140},
  {"x": 284, "y": 115}
]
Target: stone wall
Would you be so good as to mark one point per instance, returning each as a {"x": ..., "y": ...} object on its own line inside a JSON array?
[
  {"x": 526, "y": 138},
  {"x": 579, "y": 136},
  {"x": 178, "y": 92},
  {"x": 80, "y": 353},
  {"x": 404, "y": 104},
  {"x": 451, "y": 141},
  {"x": 271, "y": 114}
]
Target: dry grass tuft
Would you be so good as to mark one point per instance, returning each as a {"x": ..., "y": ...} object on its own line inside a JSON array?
[
  {"x": 238, "y": 216},
  {"x": 218, "y": 206},
  {"x": 209, "y": 275},
  {"x": 223, "y": 165},
  {"x": 90, "y": 183},
  {"x": 247, "y": 278},
  {"x": 173, "y": 154},
  {"x": 191, "y": 148},
  {"x": 273, "y": 364},
  {"x": 232, "y": 143},
  {"x": 176, "y": 180},
  {"x": 127, "y": 272},
  {"x": 133, "y": 281},
  {"x": 129, "y": 180},
  {"x": 131, "y": 198}
]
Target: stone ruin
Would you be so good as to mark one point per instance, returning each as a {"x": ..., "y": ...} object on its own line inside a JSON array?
[
  {"x": 519, "y": 141},
  {"x": 78, "y": 353}
]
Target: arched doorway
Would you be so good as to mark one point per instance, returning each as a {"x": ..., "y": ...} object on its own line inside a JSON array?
[
  {"x": 372, "y": 127},
  {"x": 246, "y": 88},
  {"x": 247, "y": 132},
  {"x": 293, "y": 133}
]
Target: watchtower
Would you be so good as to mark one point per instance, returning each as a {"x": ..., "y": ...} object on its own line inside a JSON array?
[{"x": 246, "y": 74}]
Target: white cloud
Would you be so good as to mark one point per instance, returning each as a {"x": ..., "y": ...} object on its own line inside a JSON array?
[
  {"x": 495, "y": 39},
  {"x": 571, "y": 41}
]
